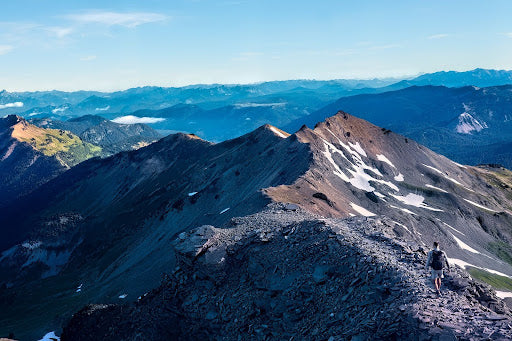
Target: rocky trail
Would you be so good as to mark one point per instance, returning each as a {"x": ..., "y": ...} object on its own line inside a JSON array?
[{"x": 285, "y": 274}]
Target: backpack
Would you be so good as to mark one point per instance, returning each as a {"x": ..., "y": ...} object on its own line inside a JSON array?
[{"x": 437, "y": 260}]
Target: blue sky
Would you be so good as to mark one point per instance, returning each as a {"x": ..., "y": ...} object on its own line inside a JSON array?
[{"x": 112, "y": 45}]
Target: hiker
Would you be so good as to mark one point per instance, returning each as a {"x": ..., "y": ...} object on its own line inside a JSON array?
[{"x": 437, "y": 260}]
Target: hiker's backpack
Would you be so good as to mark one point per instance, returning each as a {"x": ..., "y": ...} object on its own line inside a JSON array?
[{"x": 437, "y": 260}]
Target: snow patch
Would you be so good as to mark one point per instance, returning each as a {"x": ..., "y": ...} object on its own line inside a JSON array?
[
  {"x": 399, "y": 177},
  {"x": 361, "y": 210},
  {"x": 399, "y": 224},
  {"x": 464, "y": 246},
  {"x": 379, "y": 194},
  {"x": 357, "y": 147},
  {"x": 123, "y": 296},
  {"x": 359, "y": 178},
  {"x": 403, "y": 209},
  {"x": 382, "y": 158},
  {"x": 191, "y": 194},
  {"x": 503, "y": 294},
  {"x": 131, "y": 119},
  {"x": 103, "y": 109},
  {"x": 224, "y": 210},
  {"x": 468, "y": 124},
  {"x": 453, "y": 228},
  {"x": 414, "y": 200},
  {"x": 79, "y": 288},
  {"x": 436, "y": 188},
  {"x": 50, "y": 337},
  {"x": 462, "y": 264},
  {"x": 447, "y": 177},
  {"x": 480, "y": 206},
  {"x": 278, "y": 133},
  {"x": 11, "y": 105}
]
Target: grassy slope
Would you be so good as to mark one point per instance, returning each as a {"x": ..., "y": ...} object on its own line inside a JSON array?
[
  {"x": 68, "y": 148},
  {"x": 496, "y": 281}
]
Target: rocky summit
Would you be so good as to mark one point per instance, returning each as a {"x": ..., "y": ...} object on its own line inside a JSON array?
[{"x": 321, "y": 234}]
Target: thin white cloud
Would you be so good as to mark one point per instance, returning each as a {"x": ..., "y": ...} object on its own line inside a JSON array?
[
  {"x": 438, "y": 36},
  {"x": 131, "y": 19},
  {"x": 130, "y": 119},
  {"x": 59, "y": 32},
  {"x": 11, "y": 105},
  {"x": 87, "y": 58},
  {"x": 509, "y": 34},
  {"x": 4, "y": 49}
]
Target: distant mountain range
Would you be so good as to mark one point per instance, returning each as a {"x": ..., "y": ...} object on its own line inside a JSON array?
[
  {"x": 218, "y": 112},
  {"x": 102, "y": 231},
  {"x": 469, "y": 124},
  {"x": 33, "y": 152}
]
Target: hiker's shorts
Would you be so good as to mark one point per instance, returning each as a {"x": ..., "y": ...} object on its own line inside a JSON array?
[{"x": 437, "y": 274}]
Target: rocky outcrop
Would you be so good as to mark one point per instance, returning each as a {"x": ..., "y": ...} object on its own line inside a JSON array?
[{"x": 286, "y": 274}]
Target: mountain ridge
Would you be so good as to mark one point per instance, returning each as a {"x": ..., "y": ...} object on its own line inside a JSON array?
[{"x": 114, "y": 217}]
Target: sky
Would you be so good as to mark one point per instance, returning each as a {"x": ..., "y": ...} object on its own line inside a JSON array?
[{"x": 113, "y": 45}]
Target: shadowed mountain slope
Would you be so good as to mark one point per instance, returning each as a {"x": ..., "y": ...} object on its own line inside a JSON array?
[
  {"x": 30, "y": 155},
  {"x": 107, "y": 223}
]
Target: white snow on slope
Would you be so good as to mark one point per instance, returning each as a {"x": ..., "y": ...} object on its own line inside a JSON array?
[
  {"x": 379, "y": 194},
  {"x": 123, "y": 296},
  {"x": 468, "y": 123},
  {"x": 11, "y": 105},
  {"x": 399, "y": 224},
  {"x": 382, "y": 158},
  {"x": 503, "y": 294},
  {"x": 79, "y": 288},
  {"x": 337, "y": 171},
  {"x": 361, "y": 210},
  {"x": 462, "y": 264},
  {"x": 480, "y": 206},
  {"x": 278, "y": 133},
  {"x": 357, "y": 147},
  {"x": 399, "y": 177},
  {"x": 436, "y": 188},
  {"x": 464, "y": 246},
  {"x": 403, "y": 209},
  {"x": 191, "y": 194},
  {"x": 224, "y": 210},
  {"x": 50, "y": 337},
  {"x": 360, "y": 179},
  {"x": 414, "y": 200},
  {"x": 453, "y": 228},
  {"x": 447, "y": 177}
]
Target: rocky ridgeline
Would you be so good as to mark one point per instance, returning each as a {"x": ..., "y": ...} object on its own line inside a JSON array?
[{"x": 284, "y": 274}]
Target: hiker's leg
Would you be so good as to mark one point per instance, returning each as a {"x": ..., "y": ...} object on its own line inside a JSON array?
[{"x": 437, "y": 283}]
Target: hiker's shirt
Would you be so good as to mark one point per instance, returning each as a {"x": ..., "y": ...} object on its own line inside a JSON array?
[{"x": 430, "y": 257}]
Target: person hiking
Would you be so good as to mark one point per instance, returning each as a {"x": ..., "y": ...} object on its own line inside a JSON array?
[{"x": 437, "y": 259}]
